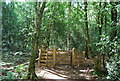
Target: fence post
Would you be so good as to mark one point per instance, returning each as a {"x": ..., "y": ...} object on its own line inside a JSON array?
[
  {"x": 73, "y": 56},
  {"x": 46, "y": 57},
  {"x": 54, "y": 57},
  {"x": 40, "y": 51}
]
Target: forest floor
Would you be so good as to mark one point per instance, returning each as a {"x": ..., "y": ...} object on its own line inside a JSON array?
[{"x": 83, "y": 72}]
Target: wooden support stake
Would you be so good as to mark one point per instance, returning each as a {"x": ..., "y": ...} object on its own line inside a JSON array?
[
  {"x": 40, "y": 51},
  {"x": 73, "y": 56},
  {"x": 54, "y": 57},
  {"x": 47, "y": 58}
]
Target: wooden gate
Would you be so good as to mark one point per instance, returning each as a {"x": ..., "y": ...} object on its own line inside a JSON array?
[
  {"x": 46, "y": 57},
  {"x": 63, "y": 57},
  {"x": 56, "y": 57}
]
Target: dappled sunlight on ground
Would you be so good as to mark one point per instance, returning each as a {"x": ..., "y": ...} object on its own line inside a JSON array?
[{"x": 83, "y": 71}]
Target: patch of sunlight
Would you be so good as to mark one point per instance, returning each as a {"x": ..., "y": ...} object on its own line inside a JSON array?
[
  {"x": 83, "y": 71},
  {"x": 88, "y": 70},
  {"x": 48, "y": 74}
]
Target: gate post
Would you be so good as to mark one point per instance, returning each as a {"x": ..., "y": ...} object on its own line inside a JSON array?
[
  {"x": 54, "y": 57},
  {"x": 73, "y": 57},
  {"x": 39, "y": 57},
  {"x": 46, "y": 57}
]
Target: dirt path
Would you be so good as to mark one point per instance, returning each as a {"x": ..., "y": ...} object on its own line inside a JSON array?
[{"x": 66, "y": 72}]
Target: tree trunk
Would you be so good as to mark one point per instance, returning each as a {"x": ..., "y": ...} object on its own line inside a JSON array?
[
  {"x": 113, "y": 33},
  {"x": 35, "y": 44},
  {"x": 48, "y": 37},
  {"x": 68, "y": 33},
  {"x": 99, "y": 22},
  {"x": 87, "y": 32},
  {"x": 97, "y": 64},
  {"x": 105, "y": 21},
  {"x": 105, "y": 18},
  {"x": 31, "y": 69}
]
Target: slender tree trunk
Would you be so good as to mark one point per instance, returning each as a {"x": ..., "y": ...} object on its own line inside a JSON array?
[
  {"x": 100, "y": 22},
  {"x": 68, "y": 33},
  {"x": 48, "y": 37},
  {"x": 87, "y": 32},
  {"x": 35, "y": 44},
  {"x": 105, "y": 18},
  {"x": 114, "y": 20},
  {"x": 97, "y": 65}
]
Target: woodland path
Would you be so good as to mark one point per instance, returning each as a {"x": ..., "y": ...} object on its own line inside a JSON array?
[{"x": 67, "y": 73}]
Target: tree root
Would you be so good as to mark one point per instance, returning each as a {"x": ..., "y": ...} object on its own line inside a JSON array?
[{"x": 32, "y": 77}]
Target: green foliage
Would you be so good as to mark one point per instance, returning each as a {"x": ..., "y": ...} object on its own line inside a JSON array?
[
  {"x": 15, "y": 58},
  {"x": 17, "y": 26},
  {"x": 9, "y": 75},
  {"x": 109, "y": 48},
  {"x": 106, "y": 46},
  {"x": 113, "y": 68},
  {"x": 19, "y": 72},
  {"x": 57, "y": 22}
]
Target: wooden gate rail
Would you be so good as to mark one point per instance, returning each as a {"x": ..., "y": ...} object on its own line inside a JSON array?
[{"x": 54, "y": 57}]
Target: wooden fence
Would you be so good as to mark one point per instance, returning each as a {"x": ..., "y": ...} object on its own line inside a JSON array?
[{"x": 55, "y": 57}]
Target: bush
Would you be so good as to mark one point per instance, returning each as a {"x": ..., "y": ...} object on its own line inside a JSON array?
[
  {"x": 19, "y": 72},
  {"x": 110, "y": 49},
  {"x": 113, "y": 68}
]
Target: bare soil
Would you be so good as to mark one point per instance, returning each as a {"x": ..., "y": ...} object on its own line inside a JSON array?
[{"x": 82, "y": 72}]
